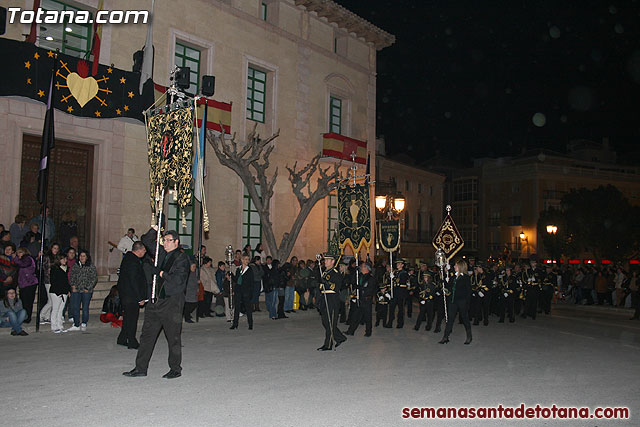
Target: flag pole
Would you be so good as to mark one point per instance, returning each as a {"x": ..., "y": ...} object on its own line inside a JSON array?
[{"x": 48, "y": 138}]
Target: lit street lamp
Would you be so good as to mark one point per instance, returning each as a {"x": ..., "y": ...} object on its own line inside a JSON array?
[
  {"x": 552, "y": 230},
  {"x": 524, "y": 238},
  {"x": 390, "y": 205}
]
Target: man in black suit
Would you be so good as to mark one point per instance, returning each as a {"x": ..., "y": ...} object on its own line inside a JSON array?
[
  {"x": 366, "y": 288},
  {"x": 166, "y": 313},
  {"x": 132, "y": 289},
  {"x": 243, "y": 292}
]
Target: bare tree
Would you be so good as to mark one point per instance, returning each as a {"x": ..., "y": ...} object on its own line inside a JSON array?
[{"x": 250, "y": 161}]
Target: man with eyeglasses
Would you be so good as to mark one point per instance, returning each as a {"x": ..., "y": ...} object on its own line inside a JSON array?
[{"x": 166, "y": 313}]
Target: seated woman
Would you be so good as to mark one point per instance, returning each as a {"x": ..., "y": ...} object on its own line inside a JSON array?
[
  {"x": 111, "y": 309},
  {"x": 12, "y": 314}
]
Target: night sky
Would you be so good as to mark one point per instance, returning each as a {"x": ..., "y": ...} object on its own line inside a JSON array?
[{"x": 467, "y": 78}]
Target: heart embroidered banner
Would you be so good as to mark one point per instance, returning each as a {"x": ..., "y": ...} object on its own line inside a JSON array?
[{"x": 111, "y": 92}]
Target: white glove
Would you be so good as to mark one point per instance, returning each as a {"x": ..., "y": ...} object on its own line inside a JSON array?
[
  {"x": 380, "y": 298},
  {"x": 506, "y": 295},
  {"x": 438, "y": 293},
  {"x": 387, "y": 295},
  {"x": 422, "y": 302},
  {"x": 480, "y": 294}
]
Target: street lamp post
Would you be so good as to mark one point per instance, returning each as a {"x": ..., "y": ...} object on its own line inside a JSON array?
[
  {"x": 553, "y": 230},
  {"x": 524, "y": 238},
  {"x": 390, "y": 206}
]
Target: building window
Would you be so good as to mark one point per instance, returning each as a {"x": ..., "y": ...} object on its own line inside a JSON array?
[
  {"x": 251, "y": 224},
  {"x": 494, "y": 219},
  {"x": 431, "y": 190},
  {"x": 71, "y": 39},
  {"x": 174, "y": 222},
  {"x": 407, "y": 223},
  {"x": 335, "y": 115},
  {"x": 333, "y": 216},
  {"x": 406, "y": 185},
  {"x": 419, "y": 227},
  {"x": 515, "y": 187},
  {"x": 263, "y": 10},
  {"x": 419, "y": 188},
  {"x": 256, "y": 94},
  {"x": 187, "y": 56},
  {"x": 466, "y": 189}
]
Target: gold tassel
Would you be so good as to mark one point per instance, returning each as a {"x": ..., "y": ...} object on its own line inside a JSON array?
[
  {"x": 175, "y": 192},
  {"x": 153, "y": 219},
  {"x": 205, "y": 216},
  {"x": 184, "y": 220}
]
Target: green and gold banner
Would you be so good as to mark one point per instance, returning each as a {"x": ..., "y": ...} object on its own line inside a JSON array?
[
  {"x": 448, "y": 238},
  {"x": 354, "y": 219},
  {"x": 389, "y": 235},
  {"x": 170, "y": 138}
]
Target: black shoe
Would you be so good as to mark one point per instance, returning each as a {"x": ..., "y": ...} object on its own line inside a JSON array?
[
  {"x": 476, "y": 323},
  {"x": 135, "y": 373},
  {"x": 125, "y": 344},
  {"x": 172, "y": 374},
  {"x": 443, "y": 341},
  {"x": 501, "y": 321},
  {"x": 512, "y": 320},
  {"x": 133, "y": 346},
  {"x": 347, "y": 332},
  {"x": 468, "y": 341},
  {"x": 323, "y": 348},
  {"x": 23, "y": 333},
  {"x": 486, "y": 323},
  {"x": 14, "y": 333},
  {"x": 233, "y": 327},
  {"x": 399, "y": 326},
  {"x": 416, "y": 328},
  {"x": 338, "y": 343},
  {"x": 427, "y": 328},
  {"x": 388, "y": 326},
  {"x": 368, "y": 334},
  {"x": 377, "y": 324},
  {"x": 436, "y": 330},
  {"x": 189, "y": 321},
  {"x": 287, "y": 311},
  {"x": 251, "y": 327}
]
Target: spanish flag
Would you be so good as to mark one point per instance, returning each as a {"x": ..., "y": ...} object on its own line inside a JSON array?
[
  {"x": 341, "y": 147},
  {"x": 217, "y": 112}
]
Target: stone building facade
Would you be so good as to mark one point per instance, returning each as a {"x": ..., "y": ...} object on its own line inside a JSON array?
[{"x": 305, "y": 67}]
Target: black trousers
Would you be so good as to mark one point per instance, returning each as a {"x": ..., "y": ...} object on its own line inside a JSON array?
[
  {"x": 27, "y": 296},
  {"x": 130, "y": 313},
  {"x": 188, "y": 309},
  {"x": 399, "y": 300},
  {"x": 281, "y": 314},
  {"x": 438, "y": 307},
  {"x": 381, "y": 312},
  {"x": 505, "y": 305},
  {"x": 426, "y": 309},
  {"x": 204, "y": 307},
  {"x": 330, "y": 312},
  {"x": 518, "y": 304},
  {"x": 480, "y": 309},
  {"x": 409, "y": 304},
  {"x": 546, "y": 296},
  {"x": 635, "y": 303},
  {"x": 244, "y": 300},
  {"x": 165, "y": 315},
  {"x": 458, "y": 308},
  {"x": 531, "y": 303},
  {"x": 360, "y": 313}
]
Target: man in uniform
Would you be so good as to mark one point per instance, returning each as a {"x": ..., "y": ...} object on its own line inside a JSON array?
[
  {"x": 328, "y": 302},
  {"x": 508, "y": 288},
  {"x": 426, "y": 297},
  {"x": 366, "y": 287},
  {"x": 166, "y": 313},
  {"x": 548, "y": 289},
  {"x": 532, "y": 284},
  {"x": 383, "y": 296},
  {"x": 400, "y": 294}
]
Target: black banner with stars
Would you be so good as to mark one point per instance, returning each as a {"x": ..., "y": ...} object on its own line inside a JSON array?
[{"x": 26, "y": 71}]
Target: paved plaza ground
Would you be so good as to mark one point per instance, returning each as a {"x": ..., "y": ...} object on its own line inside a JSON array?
[{"x": 273, "y": 375}]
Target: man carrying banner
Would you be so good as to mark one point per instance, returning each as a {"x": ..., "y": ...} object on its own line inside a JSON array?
[
  {"x": 400, "y": 295},
  {"x": 331, "y": 283}
]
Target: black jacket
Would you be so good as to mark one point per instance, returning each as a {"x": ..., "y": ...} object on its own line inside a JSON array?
[
  {"x": 59, "y": 281},
  {"x": 132, "y": 282},
  {"x": 175, "y": 270},
  {"x": 246, "y": 287},
  {"x": 460, "y": 288},
  {"x": 367, "y": 286}
]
